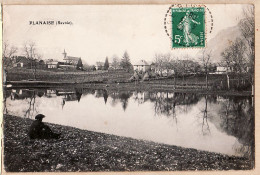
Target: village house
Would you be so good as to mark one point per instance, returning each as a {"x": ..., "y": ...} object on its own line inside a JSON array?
[
  {"x": 69, "y": 60},
  {"x": 52, "y": 65},
  {"x": 142, "y": 66},
  {"x": 223, "y": 68},
  {"x": 21, "y": 61}
]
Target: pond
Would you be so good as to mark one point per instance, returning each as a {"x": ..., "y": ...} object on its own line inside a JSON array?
[{"x": 222, "y": 124}]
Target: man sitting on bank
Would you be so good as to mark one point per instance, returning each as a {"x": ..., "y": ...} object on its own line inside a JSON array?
[{"x": 38, "y": 130}]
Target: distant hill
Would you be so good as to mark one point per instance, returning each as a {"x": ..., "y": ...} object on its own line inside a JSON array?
[{"x": 221, "y": 41}]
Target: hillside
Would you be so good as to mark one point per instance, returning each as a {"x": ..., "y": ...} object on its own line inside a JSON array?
[{"x": 221, "y": 41}]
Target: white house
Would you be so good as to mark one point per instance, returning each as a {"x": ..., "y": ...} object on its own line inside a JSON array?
[
  {"x": 52, "y": 65},
  {"x": 142, "y": 65},
  {"x": 222, "y": 69}
]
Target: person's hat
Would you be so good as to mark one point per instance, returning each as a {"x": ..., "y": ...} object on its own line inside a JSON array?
[{"x": 39, "y": 116}]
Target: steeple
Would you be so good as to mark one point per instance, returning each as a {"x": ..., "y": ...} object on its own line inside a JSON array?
[{"x": 64, "y": 54}]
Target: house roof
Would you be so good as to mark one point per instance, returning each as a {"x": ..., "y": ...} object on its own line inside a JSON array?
[
  {"x": 72, "y": 58},
  {"x": 141, "y": 63},
  {"x": 20, "y": 59},
  {"x": 53, "y": 62}
]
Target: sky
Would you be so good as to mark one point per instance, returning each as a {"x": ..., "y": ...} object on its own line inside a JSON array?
[{"x": 100, "y": 31}]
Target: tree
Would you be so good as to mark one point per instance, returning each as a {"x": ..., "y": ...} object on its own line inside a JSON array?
[
  {"x": 238, "y": 50},
  {"x": 32, "y": 55},
  {"x": 163, "y": 62},
  {"x": 116, "y": 62},
  {"x": 79, "y": 65},
  {"x": 226, "y": 54},
  {"x": 205, "y": 60},
  {"x": 8, "y": 53},
  {"x": 106, "y": 65},
  {"x": 247, "y": 28},
  {"x": 125, "y": 61},
  {"x": 166, "y": 62},
  {"x": 29, "y": 52},
  {"x": 234, "y": 58},
  {"x": 159, "y": 63}
]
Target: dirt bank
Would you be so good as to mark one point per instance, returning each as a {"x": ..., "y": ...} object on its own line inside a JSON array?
[{"x": 82, "y": 150}]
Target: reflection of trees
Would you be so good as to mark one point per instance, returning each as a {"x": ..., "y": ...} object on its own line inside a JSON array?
[
  {"x": 165, "y": 102},
  {"x": 105, "y": 95},
  {"x": 41, "y": 92},
  {"x": 237, "y": 119},
  {"x": 70, "y": 94},
  {"x": 124, "y": 99},
  {"x": 6, "y": 95},
  {"x": 115, "y": 99},
  {"x": 31, "y": 111},
  {"x": 205, "y": 125},
  {"x": 120, "y": 96},
  {"x": 78, "y": 94},
  {"x": 28, "y": 96}
]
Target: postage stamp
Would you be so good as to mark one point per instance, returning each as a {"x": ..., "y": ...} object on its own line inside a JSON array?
[{"x": 188, "y": 27}]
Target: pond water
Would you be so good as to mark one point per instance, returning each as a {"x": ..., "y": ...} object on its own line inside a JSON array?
[{"x": 222, "y": 124}]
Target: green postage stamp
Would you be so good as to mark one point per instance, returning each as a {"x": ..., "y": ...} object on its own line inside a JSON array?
[{"x": 188, "y": 27}]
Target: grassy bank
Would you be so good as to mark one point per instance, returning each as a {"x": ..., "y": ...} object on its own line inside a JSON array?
[
  {"x": 82, "y": 150},
  {"x": 67, "y": 76},
  {"x": 216, "y": 82}
]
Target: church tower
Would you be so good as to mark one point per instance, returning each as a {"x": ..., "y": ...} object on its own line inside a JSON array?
[{"x": 64, "y": 53}]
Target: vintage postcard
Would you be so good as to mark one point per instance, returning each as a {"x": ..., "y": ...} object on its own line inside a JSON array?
[{"x": 120, "y": 88}]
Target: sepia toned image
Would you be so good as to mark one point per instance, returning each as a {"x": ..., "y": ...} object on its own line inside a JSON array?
[{"x": 98, "y": 88}]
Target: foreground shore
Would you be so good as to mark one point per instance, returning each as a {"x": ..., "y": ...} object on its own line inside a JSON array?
[{"x": 82, "y": 150}]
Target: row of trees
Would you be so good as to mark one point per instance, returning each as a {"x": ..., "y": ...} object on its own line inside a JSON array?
[
  {"x": 29, "y": 51},
  {"x": 239, "y": 56},
  {"x": 117, "y": 63},
  {"x": 168, "y": 62}
]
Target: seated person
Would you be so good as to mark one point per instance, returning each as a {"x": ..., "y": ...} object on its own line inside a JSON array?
[{"x": 38, "y": 130}]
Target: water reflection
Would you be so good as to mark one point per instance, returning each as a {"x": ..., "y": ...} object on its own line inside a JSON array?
[
  {"x": 236, "y": 119},
  {"x": 207, "y": 122}
]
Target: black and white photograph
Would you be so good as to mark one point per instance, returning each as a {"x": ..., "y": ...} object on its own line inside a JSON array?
[{"x": 128, "y": 88}]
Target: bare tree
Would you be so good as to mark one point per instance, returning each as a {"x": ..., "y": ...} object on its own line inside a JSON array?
[
  {"x": 163, "y": 62},
  {"x": 116, "y": 62},
  {"x": 227, "y": 55},
  {"x": 166, "y": 58},
  {"x": 159, "y": 62},
  {"x": 234, "y": 59},
  {"x": 31, "y": 54},
  {"x": 238, "y": 50},
  {"x": 8, "y": 53},
  {"x": 205, "y": 60},
  {"x": 247, "y": 28}
]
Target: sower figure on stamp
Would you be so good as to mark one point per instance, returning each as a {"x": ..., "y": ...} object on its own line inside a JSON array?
[
  {"x": 38, "y": 130},
  {"x": 185, "y": 25}
]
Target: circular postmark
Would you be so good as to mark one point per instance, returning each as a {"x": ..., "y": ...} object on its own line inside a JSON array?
[{"x": 187, "y": 25}]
